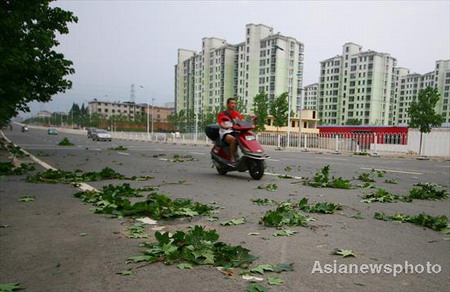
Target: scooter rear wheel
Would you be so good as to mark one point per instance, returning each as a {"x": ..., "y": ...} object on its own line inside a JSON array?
[
  {"x": 256, "y": 169},
  {"x": 221, "y": 171}
]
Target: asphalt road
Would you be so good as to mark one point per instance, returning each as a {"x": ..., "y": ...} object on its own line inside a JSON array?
[{"x": 42, "y": 248}]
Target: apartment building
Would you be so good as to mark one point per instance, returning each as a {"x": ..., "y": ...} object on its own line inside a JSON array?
[
  {"x": 264, "y": 62},
  {"x": 310, "y": 96},
  {"x": 356, "y": 85},
  {"x": 409, "y": 84},
  {"x": 108, "y": 109}
]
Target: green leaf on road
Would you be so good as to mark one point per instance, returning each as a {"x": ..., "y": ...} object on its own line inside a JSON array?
[
  {"x": 125, "y": 272},
  {"x": 278, "y": 268},
  {"x": 356, "y": 216},
  {"x": 286, "y": 232},
  {"x": 262, "y": 268},
  {"x": 264, "y": 202},
  {"x": 237, "y": 221},
  {"x": 138, "y": 259},
  {"x": 185, "y": 266},
  {"x": 344, "y": 253},
  {"x": 269, "y": 187},
  {"x": 274, "y": 281},
  {"x": 256, "y": 288},
  {"x": 27, "y": 198},
  {"x": 7, "y": 287},
  {"x": 212, "y": 219},
  {"x": 84, "y": 234},
  {"x": 253, "y": 233}
]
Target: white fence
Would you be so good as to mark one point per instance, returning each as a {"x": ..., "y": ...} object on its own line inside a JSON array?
[{"x": 436, "y": 143}]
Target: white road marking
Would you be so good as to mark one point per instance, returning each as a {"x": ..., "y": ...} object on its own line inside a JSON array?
[
  {"x": 81, "y": 186},
  {"x": 123, "y": 153},
  {"x": 271, "y": 159},
  {"x": 197, "y": 153},
  {"x": 393, "y": 170},
  {"x": 278, "y": 174},
  {"x": 163, "y": 159}
]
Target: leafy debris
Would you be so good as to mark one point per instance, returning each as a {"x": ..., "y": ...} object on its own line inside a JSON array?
[
  {"x": 9, "y": 287},
  {"x": 182, "y": 158},
  {"x": 285, "y": 214},
  {"x": 65, "y": 142},
  {"x": 274, "y": 281},
  {"x": 197, "y": 247},
  {"x": 438, "y": 223},
  {"x": 113, "y": 200},
  {"x": 61, "y": 176},
  {"x": 428, "y": 191},
  {"x": 269, "y": 187},
  {"x": 8, "y": 168},
  {"x": 344, "y": 252},
  {"x": 324, "y": 207},
  {"x": 283, "y": 232},
  {"x": 137, "y": 231},
  {"x": 238, "y": 221},
  {"x": 119, "y": 148},
  {"x": 264, "y": 202},
  {"x": 256, "y": 288},
  {"x": 366, "y": 177},
  {"x": 390, "y": 181},
  {"x": 27, "y": 198},
  {"x": 322, "y": 180},
  {"x": 384, "y": 196}
]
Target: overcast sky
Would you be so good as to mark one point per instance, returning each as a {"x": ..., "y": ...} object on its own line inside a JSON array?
[{"x": 119, "y": 43}]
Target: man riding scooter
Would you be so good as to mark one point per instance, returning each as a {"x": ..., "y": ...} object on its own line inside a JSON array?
[{"x": 225, "y": 120}]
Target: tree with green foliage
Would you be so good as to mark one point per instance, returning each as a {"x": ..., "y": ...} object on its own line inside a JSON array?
[
  {"x": 30, "y": 68},
  {"x": 261, "y": 109},
  {"x": 422, "y": 112},
  {"x": 209, "y": 117},
  {"x": 355, "y": 122},
  {"x": 279, "y": 110},
  {"x": 178, "y": 120}
]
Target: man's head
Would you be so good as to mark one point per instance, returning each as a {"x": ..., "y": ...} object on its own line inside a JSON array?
[{"x": 231, "y": 103}]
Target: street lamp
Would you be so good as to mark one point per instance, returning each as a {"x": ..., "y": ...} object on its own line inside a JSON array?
[{"x": 153, "y": 112}]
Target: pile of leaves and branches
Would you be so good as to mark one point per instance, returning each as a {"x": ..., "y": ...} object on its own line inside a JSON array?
[
  {"x": 284, "y": 214},
  {"x": 76, "y": 176},
  {"x": 8, "y": 168},
  {"x": 366, "y": 177},
  {"x": 11, "y": 148},
  {"x": 119, "y": 148},
  {"x": 428, "y": 191},
  {"x": 322, "y": 180},
  {"x": 269, "y": 187},
  {"x": 264, "y": 202},
  {"x": 182, "y": 158},
  {"x": 323, "y": 207},
  {"x": 438, "y": 223},
  {"x": 114, "y": 200},
  {"x": 384, "y": 196},
  {"x": 196, "y": 247},
  {"x": 65, "y": 142}
]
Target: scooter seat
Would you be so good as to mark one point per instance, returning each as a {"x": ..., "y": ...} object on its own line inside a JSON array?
[{"x": 220, "y": 143}]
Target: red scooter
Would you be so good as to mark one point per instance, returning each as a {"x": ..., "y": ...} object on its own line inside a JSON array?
[{"x": 253, "y": 155}]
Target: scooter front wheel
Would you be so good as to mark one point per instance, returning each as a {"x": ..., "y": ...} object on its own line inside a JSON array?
[
  {"x": 256, "y": 169},
  {"x": 221, "y": 171}
]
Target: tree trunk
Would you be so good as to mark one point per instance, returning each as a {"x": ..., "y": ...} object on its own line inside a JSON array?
[{"x": 420, "y": 144}]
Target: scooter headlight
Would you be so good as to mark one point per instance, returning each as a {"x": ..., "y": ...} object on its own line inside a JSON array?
[{"x": 250, "y": 138}]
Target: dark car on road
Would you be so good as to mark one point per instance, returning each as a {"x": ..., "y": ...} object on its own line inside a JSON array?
[{"x": 90, "y": 130}]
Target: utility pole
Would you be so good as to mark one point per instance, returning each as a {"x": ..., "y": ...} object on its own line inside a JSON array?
[
  {"x": 153, "y": 112},
  {"x": 148, "y": 121}
]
